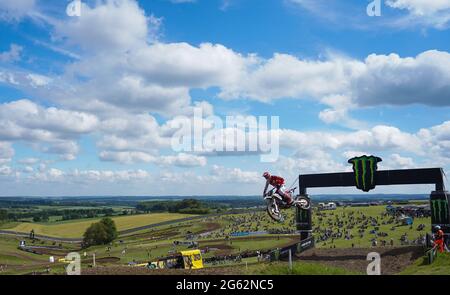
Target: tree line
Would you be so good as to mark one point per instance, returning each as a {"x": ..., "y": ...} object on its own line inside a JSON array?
[
  {"x": 44, "y": 215},
  {"x": 187, "y": 206}
]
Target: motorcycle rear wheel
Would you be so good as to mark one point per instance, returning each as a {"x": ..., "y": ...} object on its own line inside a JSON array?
[{"x": 303, "y": 203}]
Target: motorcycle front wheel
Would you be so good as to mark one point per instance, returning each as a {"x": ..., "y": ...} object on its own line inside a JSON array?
[{"x": 272, "y": 209}]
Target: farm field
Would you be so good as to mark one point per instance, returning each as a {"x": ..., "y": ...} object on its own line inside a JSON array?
[{"x": 76, "y": 228}]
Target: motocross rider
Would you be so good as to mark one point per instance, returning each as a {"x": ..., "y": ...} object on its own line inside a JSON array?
[{"x": 278, "y": 183}]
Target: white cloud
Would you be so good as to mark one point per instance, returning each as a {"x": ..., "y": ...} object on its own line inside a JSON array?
[
  {"x": 420, "y": 7},
  {"x": 12, "y": 55},
  {"x": 233, "y": 175},
  {"x": 390, "y": 79},
  {"x": 5, "y": 170},
  {"x": 53, "y": 130},
  {"x": 112, "y": 25},
  {"x": 182, "y": 160},
  {"x": 431, "y": 143},
  {"x": 286, "y": 76},
  {"x": 6, "y": 152},
  {"x": 130, "y": 157},
  {"x": 89, "y": 176},
  {"x": 27, "y": 117},
  {"x": 435, "y": 13},
  {"x": 38, "y": 80},
  {"x": 14, "y": 10},
  {"x": 397, "y": 161},
  {"x": 126, "y": 157},
  {"x": 145, "y": 76},
  {"x": 66, "y": 149},
  {"x": 28, "y": 169},
  {"x": 28, "y": 161}
]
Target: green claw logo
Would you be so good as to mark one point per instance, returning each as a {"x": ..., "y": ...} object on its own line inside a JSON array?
[
  {"x": 439, "y": 211},
  {"x": 365, "y": 168},
  {"x": 304, "y": 215}
]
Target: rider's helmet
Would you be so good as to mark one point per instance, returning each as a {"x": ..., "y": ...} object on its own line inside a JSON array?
[
  {"x": 266, "y": 175},
  {"x": 437, "y": 227}
]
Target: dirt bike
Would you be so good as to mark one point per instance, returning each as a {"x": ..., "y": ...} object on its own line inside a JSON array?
[{"x": 275, "y": 202}]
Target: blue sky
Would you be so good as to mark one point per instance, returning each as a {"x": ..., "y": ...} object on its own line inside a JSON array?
[{"x": 88, "y": 102}]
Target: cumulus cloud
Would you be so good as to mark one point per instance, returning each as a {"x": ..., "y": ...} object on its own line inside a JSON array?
[
  {"x": 146, "y": 76},
  {"x": 125, "y": 76},
  {"x": 126, "y": 157},
  {"x": 430, "y": 143},
  {"x": 26, "y": 117},
  {"x": 390, "y": 79},
  {"x": 6, "y": 152},
  {"x": 130, "y": 157},
  {"x": 420, "y": 7},
  {"x": 182, "y": 160},
  {"x": 233, "y": 175},
  {"x": 89, "y": 176},
  {"x": 396, "y": 161},
  {"x": 435, "y": 13},
  {"x": 378, "y": 138},
  {"x": 112, "y": 25},
  {"x": 379, "y": 79},
  {"x": 53, "y": 130},
  {"x": 5, "y": 170},
  {"x": 28, "y": 161}
]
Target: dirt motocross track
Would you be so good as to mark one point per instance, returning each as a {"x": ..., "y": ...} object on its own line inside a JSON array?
[{"x": 393, "y": 260}]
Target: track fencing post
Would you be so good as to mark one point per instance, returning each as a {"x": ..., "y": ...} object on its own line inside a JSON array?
[
  {"x": 93, "y": 260},
  {"x": 290, "y": 261}
]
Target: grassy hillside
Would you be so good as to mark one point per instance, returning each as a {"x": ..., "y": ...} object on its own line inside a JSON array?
[
  {"x": 298, "y": 268},
  {"x": 75, "y": 229},
  {"x": 441, "y": 266}
]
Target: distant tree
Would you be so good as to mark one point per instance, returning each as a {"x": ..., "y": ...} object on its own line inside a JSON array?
[
  {"x": 95, "y": 235},
  {"x": 110, "y": 228},
  {"x": 100, "y": 233}
]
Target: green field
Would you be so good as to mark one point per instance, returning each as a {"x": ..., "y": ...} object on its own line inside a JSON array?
[{"x": 76, "y": 228}]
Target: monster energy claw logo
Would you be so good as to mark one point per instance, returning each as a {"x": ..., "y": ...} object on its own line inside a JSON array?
[
  {"x": 365, "y": 168},
  {"x": 304, "y": 215},
  {"x": 440, "y": 211}
]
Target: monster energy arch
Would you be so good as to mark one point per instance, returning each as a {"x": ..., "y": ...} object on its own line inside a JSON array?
[{"x": 365, "y": 176}]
